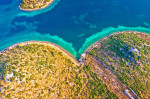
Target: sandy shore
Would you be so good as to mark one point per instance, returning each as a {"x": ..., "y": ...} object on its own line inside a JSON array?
[
  {"x": 48, "y": 3},
  {"x": 70, "y": 56}
]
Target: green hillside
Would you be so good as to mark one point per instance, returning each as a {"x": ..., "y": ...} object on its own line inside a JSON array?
[
  {"x": 127, "y": 55},
  {"x": 39, "y": 71}
]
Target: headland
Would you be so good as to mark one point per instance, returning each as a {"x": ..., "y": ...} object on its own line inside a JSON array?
[
  {"x": 125, "y": 55},
  {"x": 116, "y": 66}
]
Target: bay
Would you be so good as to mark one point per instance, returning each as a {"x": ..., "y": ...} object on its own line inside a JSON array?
[{"x": 72, "y": 24}]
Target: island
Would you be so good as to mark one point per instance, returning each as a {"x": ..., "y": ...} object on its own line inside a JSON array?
[
  {"x": 31, "y": 5},
  {"x": 115, "y": 67}
]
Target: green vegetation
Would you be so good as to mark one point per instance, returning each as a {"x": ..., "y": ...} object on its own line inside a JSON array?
[
  {"x": 39, "y": 71},
  {"x": 96, "y": 89},
  {"x": 127, "y": 56},
  {"x": 34, "y": 4}
]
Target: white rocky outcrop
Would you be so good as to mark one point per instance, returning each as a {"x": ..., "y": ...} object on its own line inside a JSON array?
[{"x": 8, "y": 76}]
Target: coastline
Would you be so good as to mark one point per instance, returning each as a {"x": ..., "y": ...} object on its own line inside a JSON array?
[
  {"x": 128, "y": 92},
  {"x": 48, "y": 4},
  {"x": 101, "y": 40},
  {"x": 65, "y": 51},
  {"x": 69, "y": 55}
]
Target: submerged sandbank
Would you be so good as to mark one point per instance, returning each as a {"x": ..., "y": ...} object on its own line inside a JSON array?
[{"x": 68, "y": 46}]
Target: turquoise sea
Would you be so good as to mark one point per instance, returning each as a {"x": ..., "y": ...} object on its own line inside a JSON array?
[{"x": 72, "y": 24}]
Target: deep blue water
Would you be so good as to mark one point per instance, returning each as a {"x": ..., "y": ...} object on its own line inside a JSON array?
[{"x": 72, "y": 24}]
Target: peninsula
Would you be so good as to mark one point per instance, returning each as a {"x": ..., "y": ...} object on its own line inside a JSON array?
[
  {"x": 116, "y": 66},
  {"x": 122, "y": 56},
  {"x": 31, "y": 5}
]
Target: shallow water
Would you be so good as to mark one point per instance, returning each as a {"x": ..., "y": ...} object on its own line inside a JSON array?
[{"x": 72, "y": 24}]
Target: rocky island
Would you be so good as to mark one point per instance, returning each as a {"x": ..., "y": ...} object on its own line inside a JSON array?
[
  {"x": 115, "y": 67},
  {"x": 31, "y": 5}
]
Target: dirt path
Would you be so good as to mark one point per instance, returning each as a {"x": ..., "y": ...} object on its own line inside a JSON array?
[{"x": 86, "y": 82}]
